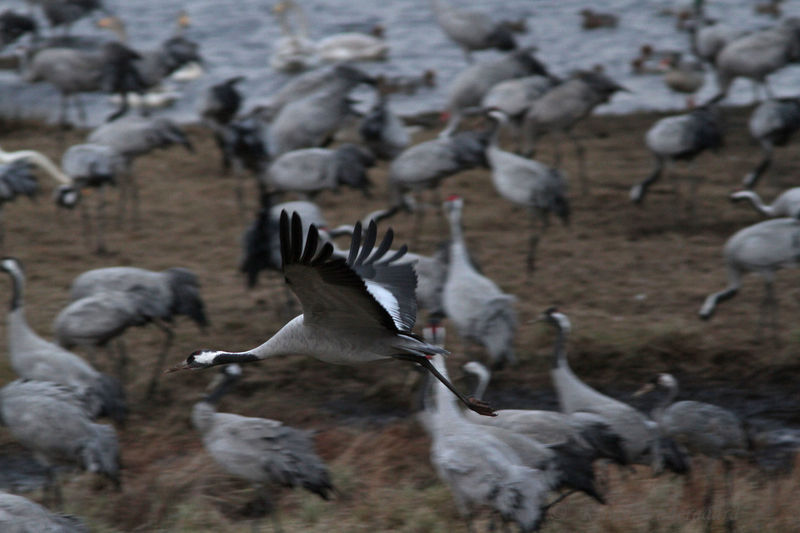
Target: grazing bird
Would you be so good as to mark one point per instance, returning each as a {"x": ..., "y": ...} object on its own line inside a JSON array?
[
  {"x": 14, "y": 25},
  {"x": 311, "y": 170},
  {"x": 67, "y": 195},
  {"x": 265, "y": 452},
  {"x": 382, "y": 131},
  {"x": 482, "y": 313},
  {"x": 479, "y": 468},
  {"x": 679, "y": 137},
  {"x": 472, "y": 30},
  {"x": 423, "y": 166},
  {"x": 218, "y": 109},
  {"x": 131, "y": 138},
  {"x": 762, "y": 248},
  {"x": 528, "y": 183},
  {"x": 109, "y": 69},
  {"x": 757, "y": 55},
  {"x": 562, "y": 107},
  {"x": 590, "y": 432},
  {"x": 787, "y": 204},
  {"x": 159, "y": 296},
  {"x": 356, "y": 310},
  {"x": 591, "y": 20},
  {"x": 639, "y": 439},
  {"x": 772, "y": 123},
  {"x": 701, "y": 429},
  {"x": 95, "y": 166},
  {"x": 467, "y": 90},
  {"x": 21, "y": 515},
  {"x": 32, "y": 357},
  {"x": 16, "y": 180},
  {"x": 53, "y": 423},
  {"x": 311, "y": 120}
]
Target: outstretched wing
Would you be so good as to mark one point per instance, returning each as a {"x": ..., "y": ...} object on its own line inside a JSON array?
[{"x": 366, "y": 290}]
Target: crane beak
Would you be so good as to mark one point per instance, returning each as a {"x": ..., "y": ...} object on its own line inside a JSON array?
[
  {"x": 181, "y": 366},
  {"x": 647, "y": 387}
]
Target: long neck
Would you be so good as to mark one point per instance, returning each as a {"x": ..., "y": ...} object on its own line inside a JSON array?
[
  {"x": 483, "y": 382},
  {"x": 560, "y": 350},
  {"x": 289, "y": 340},
  {"x": 446, "y": 408},
  {"x": 666, "y": 401},
  {"x": 37, "y": 159},
  {"x": 458, "y": 248},
  {"x": 17, "y": 292},
  {"x": 758, "y": 205}
]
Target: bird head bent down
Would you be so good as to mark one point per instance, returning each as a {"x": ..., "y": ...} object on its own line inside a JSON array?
[{"x": 206, "y": 358}]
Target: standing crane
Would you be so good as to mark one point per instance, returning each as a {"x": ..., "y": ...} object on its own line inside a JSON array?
[
  {"x": 472, "y": 30},
  {"x": 772, "y": 123},
  {"x": 481, "y": 312},
  {"x": 265, "y": 452},
  {"x": 218, "y": 109},
  {"x": 132, "y": 138},
  {"x": 154, "y": 297},
  {"x": 679, "y": 137},
  {"x": 382, "y": 131},
  {"x": 531, "y": 184},
  {"x": 702, "y": 429},
  {"x": 53, "y": 423},
  {"x": 32, "y": 357},
  {"x": 21, "y": 515},
  {"x": 356, "y": 310},
  {"x": 479, "y": 468},
  {"x": 763, "y": 248},
  {"x": 787, "y": 204}
]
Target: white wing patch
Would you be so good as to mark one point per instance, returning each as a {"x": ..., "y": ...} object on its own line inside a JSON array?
[{"x": 386, "y": 300}]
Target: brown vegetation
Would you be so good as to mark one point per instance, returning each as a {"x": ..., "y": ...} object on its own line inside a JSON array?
[{"x": 631, "y": 279}]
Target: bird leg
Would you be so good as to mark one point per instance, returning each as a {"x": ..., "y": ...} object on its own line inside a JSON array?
[
  {"x": 81, "y": 111},
  {"x": 151, "y": 388},
  {"x": 62, "y": 115},
  {"x": 580, "y": 153},
  {"x": 708, "y": 501},
  {"x": 639, "y": 190},
  {"x": 122, "y": 361},
  {"x": 86, "y": 222},
  {"x": 768, "y": 307},
  {"x": 100, "y": 219},
  {"x": 729, "y": 519},
  {"x": 751, "y": 179},
  {"x": 480, "y": 407}
]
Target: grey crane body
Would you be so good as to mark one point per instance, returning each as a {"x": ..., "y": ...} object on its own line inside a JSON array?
[
  {"x": 472, "y": 30},
  {"x": 639, "y": 438},
  {"x": 708, "y": 40},
  {"x": 355, "y": 310},
  {"x": 218, "y": 109},
  {"x": 157, "y": 64},
  {"x": 763, "y": 248},
  {"x": 680, "y": 137},
  {"x": 479, "y": 468},
  {"x": 513, "y": 97},
  {"x": 787, "y": 204},
  {"x": 311, "y": 120},
  {"x": 772, "y": 123},
  {"x": 310, "y": 170},
  {"x": 591, "y": 432},
  {"x": 21, "y": 515},
  {"x": 759, "y": 54},
  {"x": 296, "y": 88},
  {"x": 260, "y": 450},
  {"x": 34, "y": 358},
  {"x": 383, "y": 132},
  {"x": 467, "y": 90},
  {"x": 481, "y": 312},
  {"x": 52, "y": 422}
]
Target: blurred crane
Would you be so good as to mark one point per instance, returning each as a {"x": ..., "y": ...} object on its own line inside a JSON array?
[
  {"x": 67, "y": 12},
  {"x": 772, "y": 123},
  {"x": 21, "y": 515},
  {"x": 32, "y": 357},
  {"x": 787, "y": 204},
  {"x": 265, "y": 452},
  {"x": 14, "y": 25},
  {"x": 16, "y": 180},
  {"x": 382, "y": 131},
  {"x": 472, "y": 30}
]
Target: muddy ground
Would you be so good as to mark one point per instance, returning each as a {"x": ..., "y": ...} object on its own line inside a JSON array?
[{"x": 630, "y": 278}]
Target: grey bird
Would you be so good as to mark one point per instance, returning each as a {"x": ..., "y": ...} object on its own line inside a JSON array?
[
  {"x": 472, "y": 30},
  {"x": 787, "y": 204},
  {"x": 701, "y": 429},
  {"x": 480, "y": 310},
  {"x": 539, "y": 188},
  {"x": 32, "y": 357},
  {"x": 423, "y": 166},
  {"x": 708, "y": 40},
  {"x": 159, "y": 296},
  {"x": 382, "y": 131},
  {"x": 772, "y": 123},
  {"x": 132, "y": 138},
  {"x": 356, "y": 310},
  {"x": 513, "y": 97},
  {"x": 51, "y": 421},
  {"x": 21, "y": 515},
  {"x": 591, "y": 432},
  {"x": 558, "y": 111},
  {"x": 311, "y": 120},
  {"x": 679, "y": 137},
  {"x": 467, "y": 90},
  {"x": 67, "y": 12},
  {"x": 16, "y": 179},
  {"x": 763, "y": 248},
  {"x": 264, "y": 452},
  {"x": 14, "y": 25},
  {"x": 218, "y": 109},
  {"x": 90, "y": 166},
  {"x": 309, "y": 171},
  {"x": 757, "y": 55}
]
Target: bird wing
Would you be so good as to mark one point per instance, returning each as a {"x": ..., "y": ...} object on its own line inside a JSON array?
[{"x": 364, "y": 290}]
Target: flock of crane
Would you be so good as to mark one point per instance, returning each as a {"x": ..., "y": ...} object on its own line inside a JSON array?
[{"x": 360, "y": 304}]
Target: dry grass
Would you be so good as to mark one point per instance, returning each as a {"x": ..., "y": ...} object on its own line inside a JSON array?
[{"x": 631, "y": 279}]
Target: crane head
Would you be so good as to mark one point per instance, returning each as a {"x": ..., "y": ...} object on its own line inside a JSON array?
[
  {"x": 67, "y": 196},
  {"x": 206, "y": 358}
]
